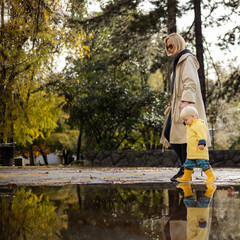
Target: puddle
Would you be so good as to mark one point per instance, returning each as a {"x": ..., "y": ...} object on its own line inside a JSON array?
[{"x": 141, "y": 212}]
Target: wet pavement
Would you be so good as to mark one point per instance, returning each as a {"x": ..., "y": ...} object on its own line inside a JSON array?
[
  {"x": 157, "y": 211},
  {"x": 69, "y": 202},
  {"x": 63, "y": 175}
]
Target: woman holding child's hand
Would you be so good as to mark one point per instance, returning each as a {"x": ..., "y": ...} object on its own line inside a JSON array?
[{"x": 185, "y": 90}]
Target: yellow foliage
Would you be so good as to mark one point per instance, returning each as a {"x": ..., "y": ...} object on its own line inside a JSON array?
[
  {"x": 66, "y": 140},
  {"x": 27, "y": 47},
  {"x": 156, "y": 81},
  {"x": 27, "y": 216},
  {"x": 37, "y": 118}
]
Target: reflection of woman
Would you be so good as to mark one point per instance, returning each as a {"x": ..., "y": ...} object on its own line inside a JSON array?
[
  {"x": 176, "y": 227},
  {"x": 185, "y": 89}
]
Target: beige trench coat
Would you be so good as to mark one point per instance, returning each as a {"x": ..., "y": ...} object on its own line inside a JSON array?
[{"x": 187, "y": 88}]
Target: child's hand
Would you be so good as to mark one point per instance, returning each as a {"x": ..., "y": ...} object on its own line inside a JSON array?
[{"x": 201, "y": 146}]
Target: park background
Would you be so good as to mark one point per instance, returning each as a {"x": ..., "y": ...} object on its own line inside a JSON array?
[{"x": 81, "y": 76}]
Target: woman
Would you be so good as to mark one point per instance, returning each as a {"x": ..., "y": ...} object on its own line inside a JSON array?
[{"x": 185, "y": 89}]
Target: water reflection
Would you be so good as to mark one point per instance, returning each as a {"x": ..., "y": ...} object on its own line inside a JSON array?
[
  {"x": 155, "y": 212},
  {"x": 27, "y": 216},
  {"x": 198, "y": 221}
]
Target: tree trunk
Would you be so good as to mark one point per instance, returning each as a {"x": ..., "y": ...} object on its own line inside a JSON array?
[
  {"x": 79, "y": 196},
  {"x": 65, "y": 157},
  {"x": 31, "y": 154},
  {"x": 199, "y": 46},
  {"x": 2, "y": 18},
  {"x": 79, "y": 143},
  {"x": 45, "y": 159},
  {"x": 172, "y": 27},
  {"x": 172, "y": 12}
]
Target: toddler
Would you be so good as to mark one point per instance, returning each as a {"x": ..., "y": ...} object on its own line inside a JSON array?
[{"x": 197, "y": 150}]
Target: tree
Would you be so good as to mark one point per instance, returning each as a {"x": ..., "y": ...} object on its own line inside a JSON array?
[
  {"x": 151, "y": 121},
  {"x": 120, "y": 67},
  {"x": 199, "y": 46},
  {"x": 26, "y": 43},
  {"x": 63, "y": 139},
  {"x": 223, "y": 100},
  {"x": 66, "y": 142},
  {"x": 228, "y": 118},
  {"x": 32, "y": 32},
  {"x": 104, "y": 103},
  {"x": 232, "y": 36},
  {"x": 37, "y": 115}
]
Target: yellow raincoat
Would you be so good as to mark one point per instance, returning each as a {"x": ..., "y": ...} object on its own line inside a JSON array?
[{"x": 197, "y": 134}]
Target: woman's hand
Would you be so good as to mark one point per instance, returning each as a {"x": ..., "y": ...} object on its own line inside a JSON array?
[
  {"x": 184, "y": 104},
  {"x": 167, "y": 110},
  {"x": 201, "y": 147}
]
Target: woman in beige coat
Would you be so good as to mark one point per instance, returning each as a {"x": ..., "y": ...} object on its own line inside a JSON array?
[{"x": 185, "y": 89}]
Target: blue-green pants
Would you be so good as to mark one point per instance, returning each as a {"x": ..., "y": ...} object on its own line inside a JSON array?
[{"x": 202, "y": 163}]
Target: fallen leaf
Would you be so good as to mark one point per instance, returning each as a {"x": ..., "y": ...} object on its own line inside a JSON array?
[{"x": 12, "y": 185}]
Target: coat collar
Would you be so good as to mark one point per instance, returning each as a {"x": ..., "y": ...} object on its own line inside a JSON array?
[{"x": 186, "y": 55}]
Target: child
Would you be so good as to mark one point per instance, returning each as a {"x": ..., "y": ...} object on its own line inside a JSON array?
[{"x": 197, "y": 150}]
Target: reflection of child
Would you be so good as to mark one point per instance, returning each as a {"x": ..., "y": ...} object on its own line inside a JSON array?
[
  {"x": 198, "y": 212},
  {"x": 197, "y": 150}
]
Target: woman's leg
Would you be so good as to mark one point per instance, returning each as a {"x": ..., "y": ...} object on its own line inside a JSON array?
[{"x": 181, "y": 151}]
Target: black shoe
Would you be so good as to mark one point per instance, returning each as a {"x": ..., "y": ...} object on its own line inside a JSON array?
[{"x": 179, "y": 174}]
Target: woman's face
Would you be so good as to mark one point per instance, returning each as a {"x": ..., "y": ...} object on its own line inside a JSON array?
[{"x": 171, "y": 48}]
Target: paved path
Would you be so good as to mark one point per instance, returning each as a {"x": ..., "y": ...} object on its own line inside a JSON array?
[{"x": 62, "y": 175}]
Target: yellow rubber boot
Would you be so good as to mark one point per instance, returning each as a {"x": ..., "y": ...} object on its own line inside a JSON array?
[
  {"x": 210, "y": 176},
  {"x": 186, "y": 176},
  {"x": 210, "y": 190},
  {"x": 186, "y": 187}
]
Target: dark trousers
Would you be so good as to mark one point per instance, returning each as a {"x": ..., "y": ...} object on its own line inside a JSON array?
[{"x": 180, "y": 149}]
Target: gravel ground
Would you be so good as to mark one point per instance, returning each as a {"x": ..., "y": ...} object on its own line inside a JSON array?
[{"x": 63, "y": 175}]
